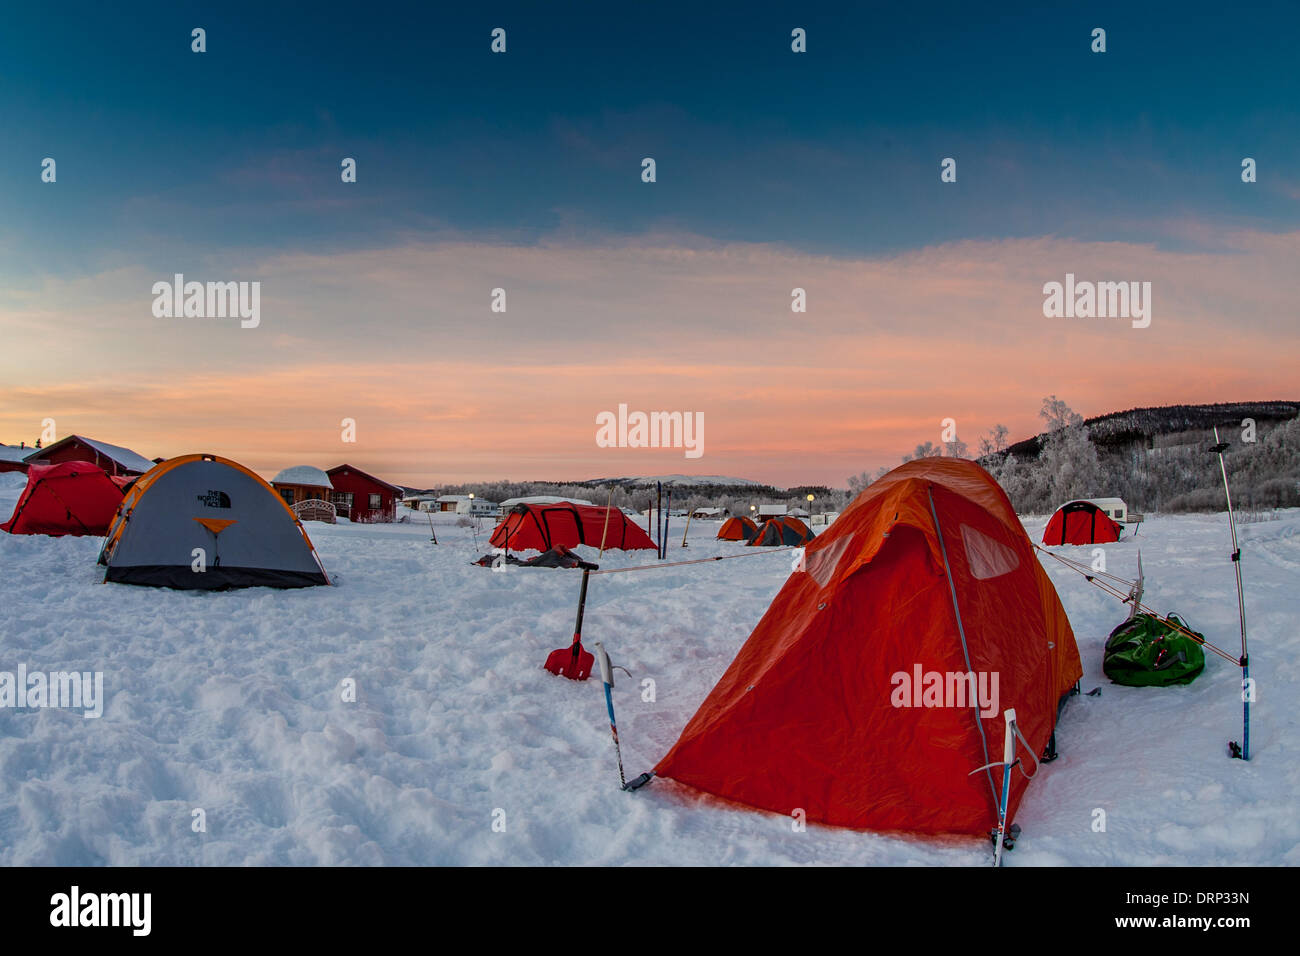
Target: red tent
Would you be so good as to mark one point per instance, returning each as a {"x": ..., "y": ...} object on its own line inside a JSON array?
[
  {"x": 739, "y": 528},
  {"x": 74, "y": 497},
  {"x": 852, "y": 698},
  {"x": 1081, "y": 522},
  {"x": 542, "y": 527}
]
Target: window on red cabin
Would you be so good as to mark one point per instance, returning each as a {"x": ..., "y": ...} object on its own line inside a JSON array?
[{"x": 376, "y": 502}]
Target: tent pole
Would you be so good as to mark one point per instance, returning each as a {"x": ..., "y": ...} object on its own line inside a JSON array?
[{"x": 608, "y": 501}]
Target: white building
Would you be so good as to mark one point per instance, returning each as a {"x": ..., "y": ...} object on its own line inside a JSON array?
[
  {"x": 708, "y": 514},
  {"x": 463, "y": 505},
  {"x": 771, "y": 511},
  {"x": 1112, "y": 507}
]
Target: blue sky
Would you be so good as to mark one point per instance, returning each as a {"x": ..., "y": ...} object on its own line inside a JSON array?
[
  {"x": 835, "y": 151},
  {"x": 522, "y": 171}
]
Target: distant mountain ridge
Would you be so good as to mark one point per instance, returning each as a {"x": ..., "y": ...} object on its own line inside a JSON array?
[{"x": 714, "y": 481}]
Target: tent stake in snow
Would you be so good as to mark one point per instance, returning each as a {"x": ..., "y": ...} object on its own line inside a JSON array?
[
  {"x": 607, "y": 677},
  {"x": 573, "y": 661},
  {"x": 1241, "y": 750}
]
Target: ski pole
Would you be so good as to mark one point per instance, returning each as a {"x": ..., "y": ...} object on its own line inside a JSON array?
[
  {"x": 1244, "y": 751},
  {"x": 689, "y": 516},
  {"x": 607, "y": 677}
]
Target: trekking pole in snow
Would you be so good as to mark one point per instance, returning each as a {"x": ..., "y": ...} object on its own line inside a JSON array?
[
  {"x": 659, "y": 518},
  {"x": 1002, "y": 834},
  {"x": 689, "y": 515},
  {"x": 433, "y": 535},
  {"x": 1008, "y": 761},
  {"x": 607, "y": 677},
  {"x": 1234, "y": 749}
]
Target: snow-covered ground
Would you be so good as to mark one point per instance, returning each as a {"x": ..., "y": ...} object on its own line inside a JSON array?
[{"x": 232, "y": 703}]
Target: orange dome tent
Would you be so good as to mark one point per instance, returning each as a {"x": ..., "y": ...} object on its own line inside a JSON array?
[
  {"x": 781, "y": 531},
  {"x": 737, "y": 529},
  {"x": 1081, "y": 522},
  {"x": 852, "y": 697}
]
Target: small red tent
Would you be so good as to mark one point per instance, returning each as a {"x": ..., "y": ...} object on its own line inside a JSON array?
[
  {"x": 1081, "y": 522},
  {"x": 542, "y": 527},
  {"x": 866, "y": 695},
  {"x": 74, "y": 497},
  {"x": 737, "y": 529}
]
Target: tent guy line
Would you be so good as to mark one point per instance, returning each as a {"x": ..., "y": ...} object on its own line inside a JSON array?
[
  {"x": 678, "y": 564},
  {"x": 1110, "y": 589}
]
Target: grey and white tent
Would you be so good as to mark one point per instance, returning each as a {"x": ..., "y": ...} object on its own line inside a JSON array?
[{"x": 248, "y": 535}]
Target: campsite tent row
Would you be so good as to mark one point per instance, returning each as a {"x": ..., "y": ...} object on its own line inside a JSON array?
[
  {"x": 929, "y": 571},
  {"x": 783, "y": 531}
]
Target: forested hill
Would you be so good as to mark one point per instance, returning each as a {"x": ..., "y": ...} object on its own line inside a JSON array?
[{"x": 1143, "y": 426}]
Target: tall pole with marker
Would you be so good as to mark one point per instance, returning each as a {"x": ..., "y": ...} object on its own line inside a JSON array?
[{"x": 1241, "y": 750}]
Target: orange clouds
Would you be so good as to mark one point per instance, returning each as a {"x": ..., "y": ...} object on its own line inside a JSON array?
[{"x": 443, "y": 389}]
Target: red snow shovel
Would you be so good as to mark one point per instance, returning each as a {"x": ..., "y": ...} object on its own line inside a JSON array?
[{"x": 573, "y": 662}]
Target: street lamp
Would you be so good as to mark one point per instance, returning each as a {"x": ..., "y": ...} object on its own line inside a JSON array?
[{"x": 810, "y": 501}]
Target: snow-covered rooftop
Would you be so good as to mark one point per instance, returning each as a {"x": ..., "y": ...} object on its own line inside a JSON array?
[
  {"x": 123, "y": 456},
  {"x": 303, "y": 475},
  {"x": 541, "y": 500},
  {"x": 13, "y": 453}
]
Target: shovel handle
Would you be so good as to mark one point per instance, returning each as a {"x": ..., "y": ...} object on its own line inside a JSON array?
[{"x": 582, "y": 605}]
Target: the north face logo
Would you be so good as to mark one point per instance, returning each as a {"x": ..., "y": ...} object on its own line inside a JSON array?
[{"x": 215, "y": 499}]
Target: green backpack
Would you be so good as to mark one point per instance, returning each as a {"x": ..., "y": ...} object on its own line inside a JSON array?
[{"x": 1145, "y": 651}]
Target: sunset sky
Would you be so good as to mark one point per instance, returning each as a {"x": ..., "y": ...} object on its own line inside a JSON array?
[{"x": 522, "y": 171}]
